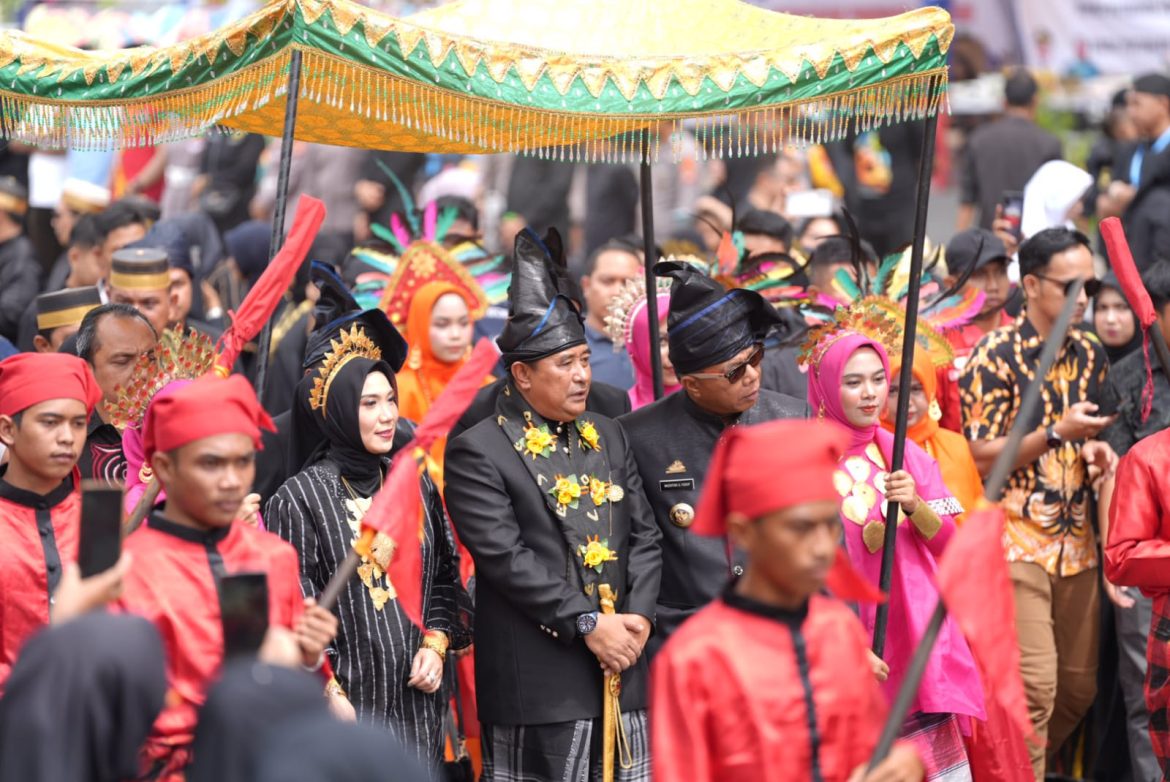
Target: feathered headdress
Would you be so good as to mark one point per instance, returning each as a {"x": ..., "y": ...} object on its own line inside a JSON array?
[{"x": 178, "y": 356}]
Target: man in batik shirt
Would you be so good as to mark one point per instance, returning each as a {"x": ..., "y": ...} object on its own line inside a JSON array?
[{"x": 1048, "y": 536}]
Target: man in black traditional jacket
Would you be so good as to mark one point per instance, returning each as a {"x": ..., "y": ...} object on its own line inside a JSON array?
[
  {"x": 717, "y": 348},
  {"x": 546, "y": 497}
]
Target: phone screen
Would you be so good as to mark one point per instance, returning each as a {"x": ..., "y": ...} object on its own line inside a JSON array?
[
  {"x": 243, "y": 605},
  {"x": 100, "y": 544},
  {"x": 1013, "y": 210}
]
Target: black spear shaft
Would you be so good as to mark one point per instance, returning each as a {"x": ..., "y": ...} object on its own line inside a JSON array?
[
  {"x": 1005, "y": 465},
  {"x": 286, "y": 144},
  {"x": 906, "y": 376},
  {"x": 650, "y": 258}
]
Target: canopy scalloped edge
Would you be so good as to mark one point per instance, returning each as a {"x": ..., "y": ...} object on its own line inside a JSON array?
[{"x": 380, "y": 98}]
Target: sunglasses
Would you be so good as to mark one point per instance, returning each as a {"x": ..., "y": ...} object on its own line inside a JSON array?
[
  {"x": 736, "y": 373},
  {"x": 1092, "y": 286}
]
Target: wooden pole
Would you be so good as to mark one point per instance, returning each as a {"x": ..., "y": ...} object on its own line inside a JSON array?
[
  {"x": 286, "y": 144},
  {"x": 906, "y": 377},
  {"x": 650, "y": 257}
]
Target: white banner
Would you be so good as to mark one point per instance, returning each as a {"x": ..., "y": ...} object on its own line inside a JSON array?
[{"x": 1108, "y": 36}]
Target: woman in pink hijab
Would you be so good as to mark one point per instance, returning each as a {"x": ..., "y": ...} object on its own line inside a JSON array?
[
  {"x": 629, "y": 324},
  {"x": 848, "y": 383}
]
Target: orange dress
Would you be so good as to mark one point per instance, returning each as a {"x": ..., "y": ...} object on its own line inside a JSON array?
[{"x": 949, "y": 449}]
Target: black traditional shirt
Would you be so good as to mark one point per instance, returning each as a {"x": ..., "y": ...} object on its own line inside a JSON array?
[{"x": 102, "y": 458}]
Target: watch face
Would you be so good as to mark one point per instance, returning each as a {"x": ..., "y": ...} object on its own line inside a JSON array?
[{"x": 586, "y": 623}]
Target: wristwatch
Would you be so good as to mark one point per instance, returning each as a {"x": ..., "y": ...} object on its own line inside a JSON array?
[
  {"x": 1054, "y": 438},
  {"x": 586, "y": 623}
]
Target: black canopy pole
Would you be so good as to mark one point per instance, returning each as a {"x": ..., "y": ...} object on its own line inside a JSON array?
[
  {"x": 650, "y": 258},
  {"x": 906, "y": 376},
  {"x": 286, "y": 144},
  {"x": 1005, "y": 465}
]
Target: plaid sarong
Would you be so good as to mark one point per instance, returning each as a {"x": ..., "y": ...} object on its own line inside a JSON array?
[
  {"x": 1158, "y": 684},
  {"x": 561, "y": 751},
  {"x": 940, "y": 745}
]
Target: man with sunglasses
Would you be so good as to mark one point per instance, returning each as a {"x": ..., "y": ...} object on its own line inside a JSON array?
[
  {"x": 716, "y": 342},
  {"x": 1048, "y": 537}
]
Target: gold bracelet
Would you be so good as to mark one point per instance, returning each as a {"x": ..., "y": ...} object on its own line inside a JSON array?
[
  {"x": 437, "y": 642},
  {"x": 333, "y": 687},
  {"x": 926, "y": 520}
]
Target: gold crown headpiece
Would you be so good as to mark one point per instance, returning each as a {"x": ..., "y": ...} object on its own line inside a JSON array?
[
  {"x": 868, "y": 316},
  {"x": 352, "y": 344},
  {"x": 625, "y": 306},
  {"x": 179, "y": 356}
]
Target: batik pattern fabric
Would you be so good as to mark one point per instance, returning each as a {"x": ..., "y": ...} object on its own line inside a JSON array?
[
  {"x": 562, "y": 751},
  {"x": 376, "y": 643},
  {"x": 1046, "y": 502}
]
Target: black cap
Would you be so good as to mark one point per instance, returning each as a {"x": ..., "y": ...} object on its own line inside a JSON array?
[
  {"x": 377, "y": 327},
  {"x": 66, "y": 307},
  {"x": 169, "y": 237},
  {"x": 1153, "y": 84},
  {"x": 709, "y": 324},
  {"x": 975, "y": 244},
  {"x": 542, "y": 317},
  {"x": 13, "y": 196}
]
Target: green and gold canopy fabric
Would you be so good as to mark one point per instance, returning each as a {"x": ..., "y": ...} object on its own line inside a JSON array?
[{"x": 575, "y": 78}]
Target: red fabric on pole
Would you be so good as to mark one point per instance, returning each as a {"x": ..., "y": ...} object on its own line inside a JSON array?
[
  {"x": 396, "y": 507},
  {"x": 976, "y": 587},
  {"x": 263, "y": 298},
  {"x": 1121, "y": 261}
]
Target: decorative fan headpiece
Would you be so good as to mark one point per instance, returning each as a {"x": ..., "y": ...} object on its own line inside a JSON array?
[
  {"x": 179, "y": 356},
  {"x": 628, "y": 303},
  {"x": 352, "y": 344},
  {"x": 862, "y": 317}
]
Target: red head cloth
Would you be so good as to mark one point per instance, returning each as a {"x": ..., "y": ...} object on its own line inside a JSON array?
[
  {"x": 205, "y": 408},
  {"x": 757, "y": 470},
  {"x": 28, "y": 379}
]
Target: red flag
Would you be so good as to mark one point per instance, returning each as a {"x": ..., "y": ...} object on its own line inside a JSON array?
[
  {"x": 845, "y": 583},
  {"x": 261, "y": 301},
  {"x": 1121, "y": 260},
  {"x": 396, "y": 507},
  {"x": 976, "y": 587}
]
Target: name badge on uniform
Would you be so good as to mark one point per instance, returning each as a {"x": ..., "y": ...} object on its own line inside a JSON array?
[{"x": 673, "y": 484}]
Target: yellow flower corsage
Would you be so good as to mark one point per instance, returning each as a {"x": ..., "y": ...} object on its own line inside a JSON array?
[
  {"x": 598, "y": 491},
  {"x": 537, "y": 441},
  {"x": 566, "y": 491},
  {"x": 589, "y": 437},
  {"x": 595, "y": 552}
]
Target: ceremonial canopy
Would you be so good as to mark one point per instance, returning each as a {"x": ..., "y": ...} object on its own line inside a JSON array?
[{"x": 581, "y": 77}]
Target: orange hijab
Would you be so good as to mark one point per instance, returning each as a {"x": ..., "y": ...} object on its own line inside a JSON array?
[
  {"x": 948, "y": 448},
  {"x": 424, "y": 377}
]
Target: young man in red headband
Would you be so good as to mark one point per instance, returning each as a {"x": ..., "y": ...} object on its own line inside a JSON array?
[
  {"x": 201, "y": 441},
  {"x": 45, "y": 403},
  {"x": 772, "y": 682}
]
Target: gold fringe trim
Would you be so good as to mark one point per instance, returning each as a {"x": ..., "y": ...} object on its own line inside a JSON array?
[{"x": 348, "y": 104}]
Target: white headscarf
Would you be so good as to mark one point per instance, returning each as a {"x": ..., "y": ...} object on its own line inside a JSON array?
[{"x": 1049, "y": 195}]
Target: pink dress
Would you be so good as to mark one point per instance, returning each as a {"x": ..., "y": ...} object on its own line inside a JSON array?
[{"x": 951, "y": 684}]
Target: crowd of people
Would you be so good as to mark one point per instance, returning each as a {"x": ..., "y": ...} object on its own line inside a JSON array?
[{"x": 609, "y": 580}]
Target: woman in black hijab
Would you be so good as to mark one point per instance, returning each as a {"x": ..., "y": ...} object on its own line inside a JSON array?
[
  {"x": 249, "y": 704},
  {"x": 1114, "y": 321},
  {"x": 386, "y": 667},
  {"x": 81, "y": 700}
]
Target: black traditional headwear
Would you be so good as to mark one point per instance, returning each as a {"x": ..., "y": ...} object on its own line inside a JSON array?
[
  {"x": 140, "y": 268},
  {"x": 1153, "y": 84},
  {"x": 66, "y": 307},
  {"x": 709, "y": 324},
  {"x": 543, "y": 319},
  {"x": 169, "y": 237}
]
